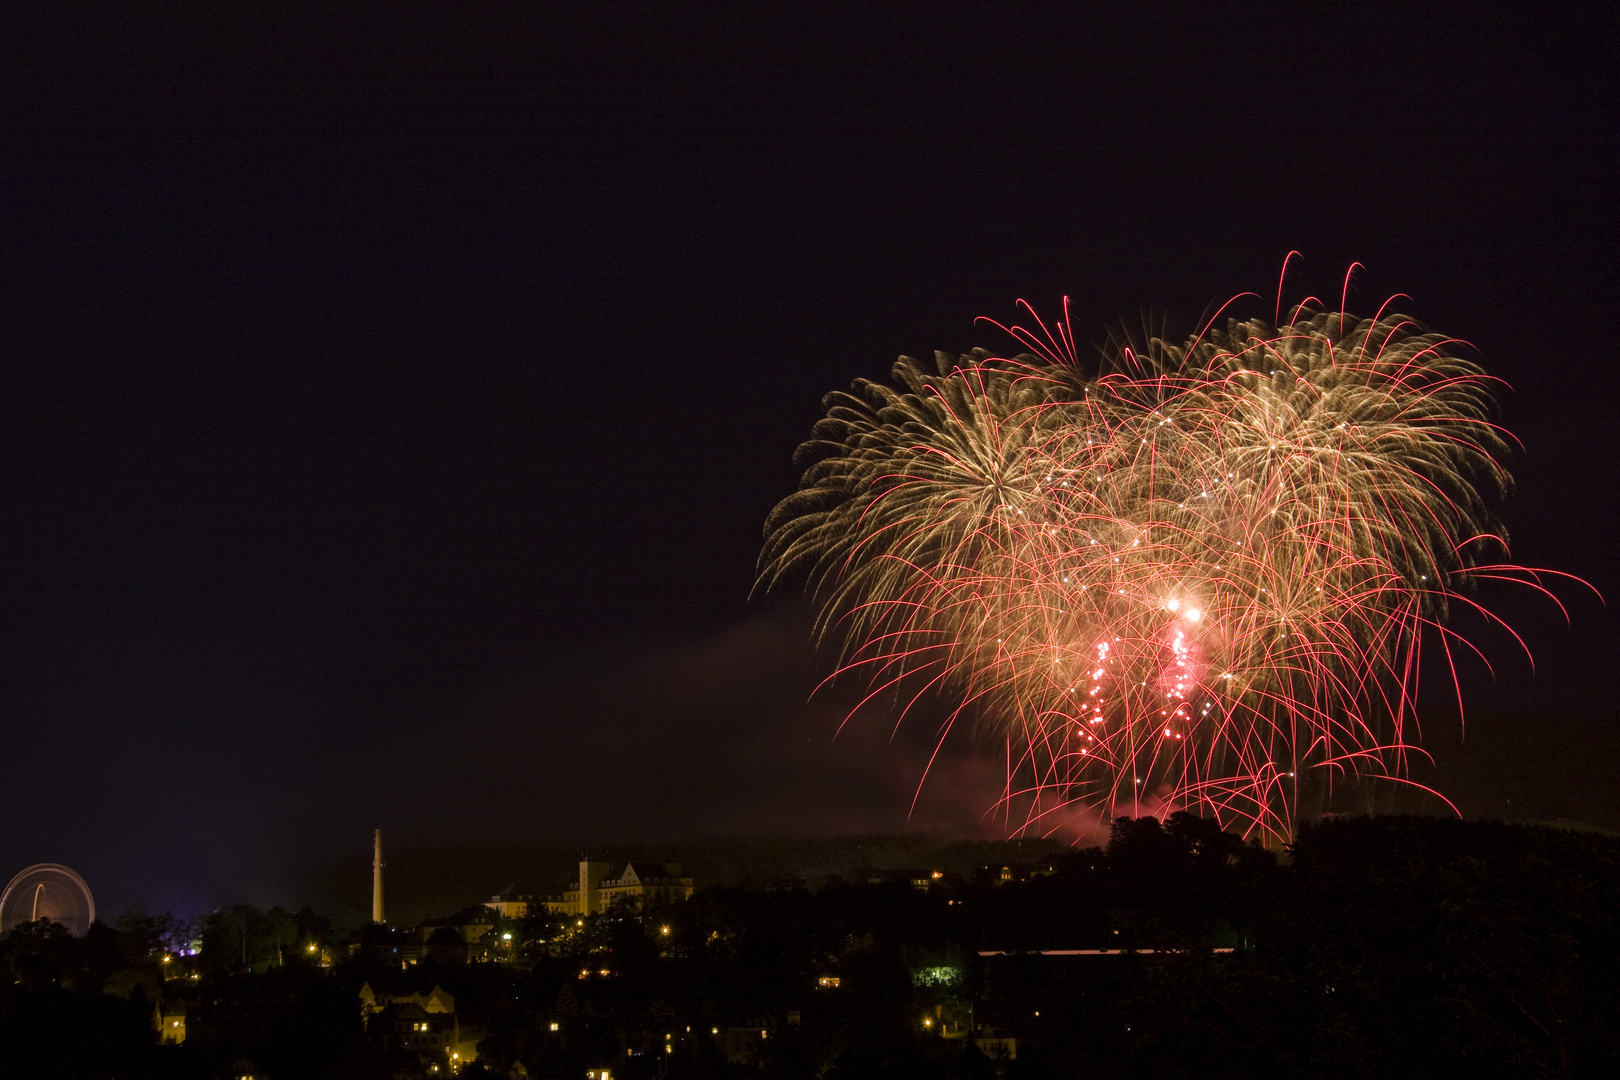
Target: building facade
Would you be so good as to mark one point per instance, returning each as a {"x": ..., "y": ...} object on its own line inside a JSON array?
[{"x": 595, "y": 888}]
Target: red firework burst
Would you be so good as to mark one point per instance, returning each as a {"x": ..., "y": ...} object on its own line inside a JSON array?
[{"x": 1186, "y": 575}]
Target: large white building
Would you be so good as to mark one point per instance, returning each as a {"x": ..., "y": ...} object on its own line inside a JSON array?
[{"x": 592, "y": 891}]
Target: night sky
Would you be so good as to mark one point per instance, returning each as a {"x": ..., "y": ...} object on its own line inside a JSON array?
[{"x": 390, "y": 402}]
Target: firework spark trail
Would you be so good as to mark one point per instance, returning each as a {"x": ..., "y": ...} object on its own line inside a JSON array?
[{"x": 1187, "y": 575}]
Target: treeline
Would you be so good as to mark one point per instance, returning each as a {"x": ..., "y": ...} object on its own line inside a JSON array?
[
  {"x": 1381, "y": 947},
  {"x": 90, "y": 1006}
]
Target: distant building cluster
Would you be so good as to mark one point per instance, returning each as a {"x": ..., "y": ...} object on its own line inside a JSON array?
[
  {"x": 593, "y": 891},
  {"x": 422, "y": 1027},
  {"x": 425, "y": 1025}
]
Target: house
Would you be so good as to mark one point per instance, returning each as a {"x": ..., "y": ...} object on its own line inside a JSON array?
[
  {"x": 414, "y": 1028},
  {"x": 744, "y": 1039},
  {"x": 1009, "y": 872},
  {"x": 455, "y": 940},
  {"x": 921, "y": 880},
  {"x": 994, "y": 1044},
  {"x": 169, "y": 1017},
  {"x": 508, "y": 906},
  {"x": 422, "y": 1024}
]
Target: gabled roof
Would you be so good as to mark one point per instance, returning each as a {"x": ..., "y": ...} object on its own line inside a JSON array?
[
  {"x": 640, "y": 872},
  {"x": 437, "y": 1000},
  {"x": 643, "y": 871},
  {"x": 408, "y": 1010}
]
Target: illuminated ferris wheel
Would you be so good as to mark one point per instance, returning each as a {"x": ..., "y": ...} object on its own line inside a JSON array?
[{"x": 48, "y": 891}]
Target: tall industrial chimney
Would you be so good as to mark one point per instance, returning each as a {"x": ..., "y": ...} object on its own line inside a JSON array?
[{"x": 376, "y": 881}]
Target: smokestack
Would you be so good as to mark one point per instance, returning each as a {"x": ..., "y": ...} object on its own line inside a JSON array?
[{"x": 376, "y": 881}]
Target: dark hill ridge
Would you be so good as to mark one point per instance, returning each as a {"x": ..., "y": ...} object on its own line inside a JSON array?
[
  {"x": 1499, "y": 768},
  {"x": 1497, "y": 771},
  {"x": 424, "y": 882}
]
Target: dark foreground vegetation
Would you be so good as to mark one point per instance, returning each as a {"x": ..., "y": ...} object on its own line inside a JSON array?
[{"x": 1383, "y": 947}]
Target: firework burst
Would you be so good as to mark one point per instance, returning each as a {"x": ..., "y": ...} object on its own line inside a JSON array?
[{"x": 1189, "y": 573}]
